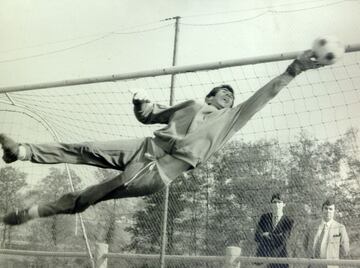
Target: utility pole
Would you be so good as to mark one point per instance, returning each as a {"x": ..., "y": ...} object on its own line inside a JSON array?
[
  {"x": 174, "y": 62},
  {"x": 166, "y": 194}
]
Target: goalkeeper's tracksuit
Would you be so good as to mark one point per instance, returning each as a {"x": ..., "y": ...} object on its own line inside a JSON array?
[{"x": 193, "y": 132}]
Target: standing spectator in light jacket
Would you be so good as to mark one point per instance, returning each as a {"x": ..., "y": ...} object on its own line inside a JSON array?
[{"x": 326, "y": 238}]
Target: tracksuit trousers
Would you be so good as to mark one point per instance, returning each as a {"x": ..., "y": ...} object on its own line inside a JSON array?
[{"x": 139, "y": 175}]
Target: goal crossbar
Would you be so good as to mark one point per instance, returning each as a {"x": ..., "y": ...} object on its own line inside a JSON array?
[{"x": 164, "y": 71}]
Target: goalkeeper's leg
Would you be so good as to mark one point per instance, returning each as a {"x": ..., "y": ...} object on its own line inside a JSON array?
[
  {"x": 110, "y": 154},
  {"x": 76, "y": 202},
  {"x": 142, "y": 176}
]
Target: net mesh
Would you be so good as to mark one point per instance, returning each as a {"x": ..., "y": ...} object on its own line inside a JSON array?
[{"x": 304, "y": 144}]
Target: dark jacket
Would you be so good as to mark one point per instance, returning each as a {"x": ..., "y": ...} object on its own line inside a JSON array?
[{"x": 275, "y": 244}]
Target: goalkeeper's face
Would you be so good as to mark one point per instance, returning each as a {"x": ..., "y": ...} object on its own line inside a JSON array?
[{"x": 222, "y": 99}]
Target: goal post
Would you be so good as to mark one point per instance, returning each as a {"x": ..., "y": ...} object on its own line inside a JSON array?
[
  {"x": 166, "y": 71},
  {"x": 304, "y": 144}
]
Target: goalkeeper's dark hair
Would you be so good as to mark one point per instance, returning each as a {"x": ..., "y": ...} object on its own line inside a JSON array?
[{"x": 218, "y": 88}]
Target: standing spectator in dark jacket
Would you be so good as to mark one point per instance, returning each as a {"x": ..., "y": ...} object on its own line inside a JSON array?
[{"x": 273, "y": 231}]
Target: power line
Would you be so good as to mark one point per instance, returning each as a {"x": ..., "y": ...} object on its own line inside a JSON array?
[
  {"x": 106, "y": 35},
  {"x": 310, "y": 8},
  {"x": 48, "y": 43},
  {"x": 273, "y": 11},
  {"x": 82, "y": 37},
  {"x": 190, "y": 16},
  {"x": 254, "y": 9},
  {"x": 54, "y": 51},
  {"x": 80, "y": 45},
  {"x": 147, "y": 30},
  {"x": 226, "y": 22}
]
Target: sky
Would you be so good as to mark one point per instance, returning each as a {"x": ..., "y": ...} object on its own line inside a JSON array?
[
  {"x": 45, "y": 41},
  {"x": 55, "y": 40}
]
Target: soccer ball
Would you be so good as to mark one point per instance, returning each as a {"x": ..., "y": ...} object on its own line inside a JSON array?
[{"x": 328, "y": 49}]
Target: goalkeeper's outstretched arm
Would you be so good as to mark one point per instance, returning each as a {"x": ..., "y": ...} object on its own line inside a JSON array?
[{"x": 256, "y": 102}]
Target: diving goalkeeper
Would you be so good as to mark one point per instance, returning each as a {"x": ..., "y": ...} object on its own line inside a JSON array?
[{"x": 192, "y": 132}]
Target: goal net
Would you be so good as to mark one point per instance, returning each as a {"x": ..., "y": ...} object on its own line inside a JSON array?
[{"x": 304, "y": 144}]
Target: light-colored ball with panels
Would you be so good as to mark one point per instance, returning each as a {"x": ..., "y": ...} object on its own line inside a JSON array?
[{"x": 328, "y": 49}]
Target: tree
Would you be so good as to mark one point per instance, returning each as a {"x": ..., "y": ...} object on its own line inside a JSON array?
[
  {"x": 317, "y": 170},
  {"x": 146, "y": 231},
  {"x": 11, "y": 182},
  {"x": 112, "y": 216},
  {"x": 245, "y": 174},
  {"x": 220, "y": 203},
  {"x": 53, "y": 231}
]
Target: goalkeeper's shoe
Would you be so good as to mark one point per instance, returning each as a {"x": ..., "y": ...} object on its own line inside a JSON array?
[
  {"x": 16, "y": 217},
  {"x": 10, "y": 148}
]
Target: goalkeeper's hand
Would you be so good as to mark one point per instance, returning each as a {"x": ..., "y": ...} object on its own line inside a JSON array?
[
  {"x": 140, "y": 97},
  {"x": 305, "y": 61}
]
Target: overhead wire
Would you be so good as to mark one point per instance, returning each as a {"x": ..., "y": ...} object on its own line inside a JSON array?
[
  {"x": 143, "y": 31},
  {"x": 81, "y": 44},
  {"x": 81, "y": 37},
  {"x": 250, "y": 9},
  {"x": 54, "y": 51},
  {"x": 183, "y": 17},
  {"x": 271, "y": 11},
  {"x": 225, "y": 22},
  {"x": 268, "y": 10},
  {"x": 304, "y": 9}
]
